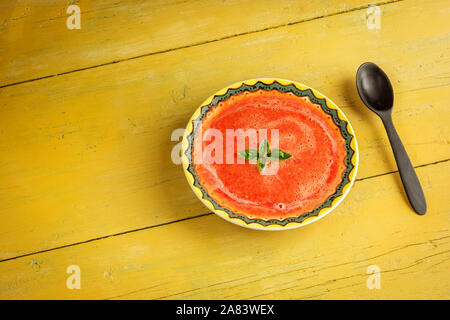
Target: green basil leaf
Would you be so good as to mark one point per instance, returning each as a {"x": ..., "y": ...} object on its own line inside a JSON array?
[
  {"x": 263, "y": 149},
  {"x": 261, "y": 164},
  {"x": 279, "y": 155},
  {"x": 248, "y": 154}
]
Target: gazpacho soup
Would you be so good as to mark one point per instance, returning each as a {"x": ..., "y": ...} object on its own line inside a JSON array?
[{"x": 270, "y": 152}]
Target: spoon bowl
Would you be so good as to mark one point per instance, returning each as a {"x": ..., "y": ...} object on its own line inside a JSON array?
[{"x": 374, "y": 88}]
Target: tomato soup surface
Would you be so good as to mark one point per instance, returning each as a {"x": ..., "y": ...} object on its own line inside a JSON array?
[{"x": 301, "y": 183}]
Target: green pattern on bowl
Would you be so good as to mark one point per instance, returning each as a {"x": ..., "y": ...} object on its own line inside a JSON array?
[{"x": 275, "y": 85}]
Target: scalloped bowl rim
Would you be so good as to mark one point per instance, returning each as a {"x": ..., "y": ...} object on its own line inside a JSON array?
[{"x": 255, "y": 225}]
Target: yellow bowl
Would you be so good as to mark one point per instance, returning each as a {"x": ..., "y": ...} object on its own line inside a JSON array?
[{"x": 282, "y": 85}]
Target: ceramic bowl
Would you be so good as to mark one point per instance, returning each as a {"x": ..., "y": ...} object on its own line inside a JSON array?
[{"x": 282, "y": 85}]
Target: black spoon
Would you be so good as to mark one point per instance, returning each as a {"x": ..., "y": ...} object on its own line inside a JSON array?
[{"x": 376, "y": 92}]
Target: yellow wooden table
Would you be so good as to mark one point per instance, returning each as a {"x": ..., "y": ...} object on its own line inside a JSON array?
[{"x": 86, "y": 178}]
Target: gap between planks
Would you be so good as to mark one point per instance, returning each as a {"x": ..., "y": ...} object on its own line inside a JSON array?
[
  {"x": 184, "y": 219},
  {"x": 382, "y": 3}
]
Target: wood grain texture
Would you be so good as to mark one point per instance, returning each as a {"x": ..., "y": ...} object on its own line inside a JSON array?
[
  {"x": 35, "y": 41},
  {"x": 87, "y": 154},
  {"x": 210, "y": 258},
  {"x": 85, "y": 169}
]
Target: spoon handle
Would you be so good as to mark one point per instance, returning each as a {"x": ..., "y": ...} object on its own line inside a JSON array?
[{"x": 407, "y": 173}]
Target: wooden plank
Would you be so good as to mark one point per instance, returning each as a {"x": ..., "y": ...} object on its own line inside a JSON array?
[
  {"x": 35, "y": 41},
  {"x": 209, "y": 258},
  {"x": 87, "y": 154}
]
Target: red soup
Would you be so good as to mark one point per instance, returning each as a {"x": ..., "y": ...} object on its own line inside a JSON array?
[{"x": 302, "y": 181}]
